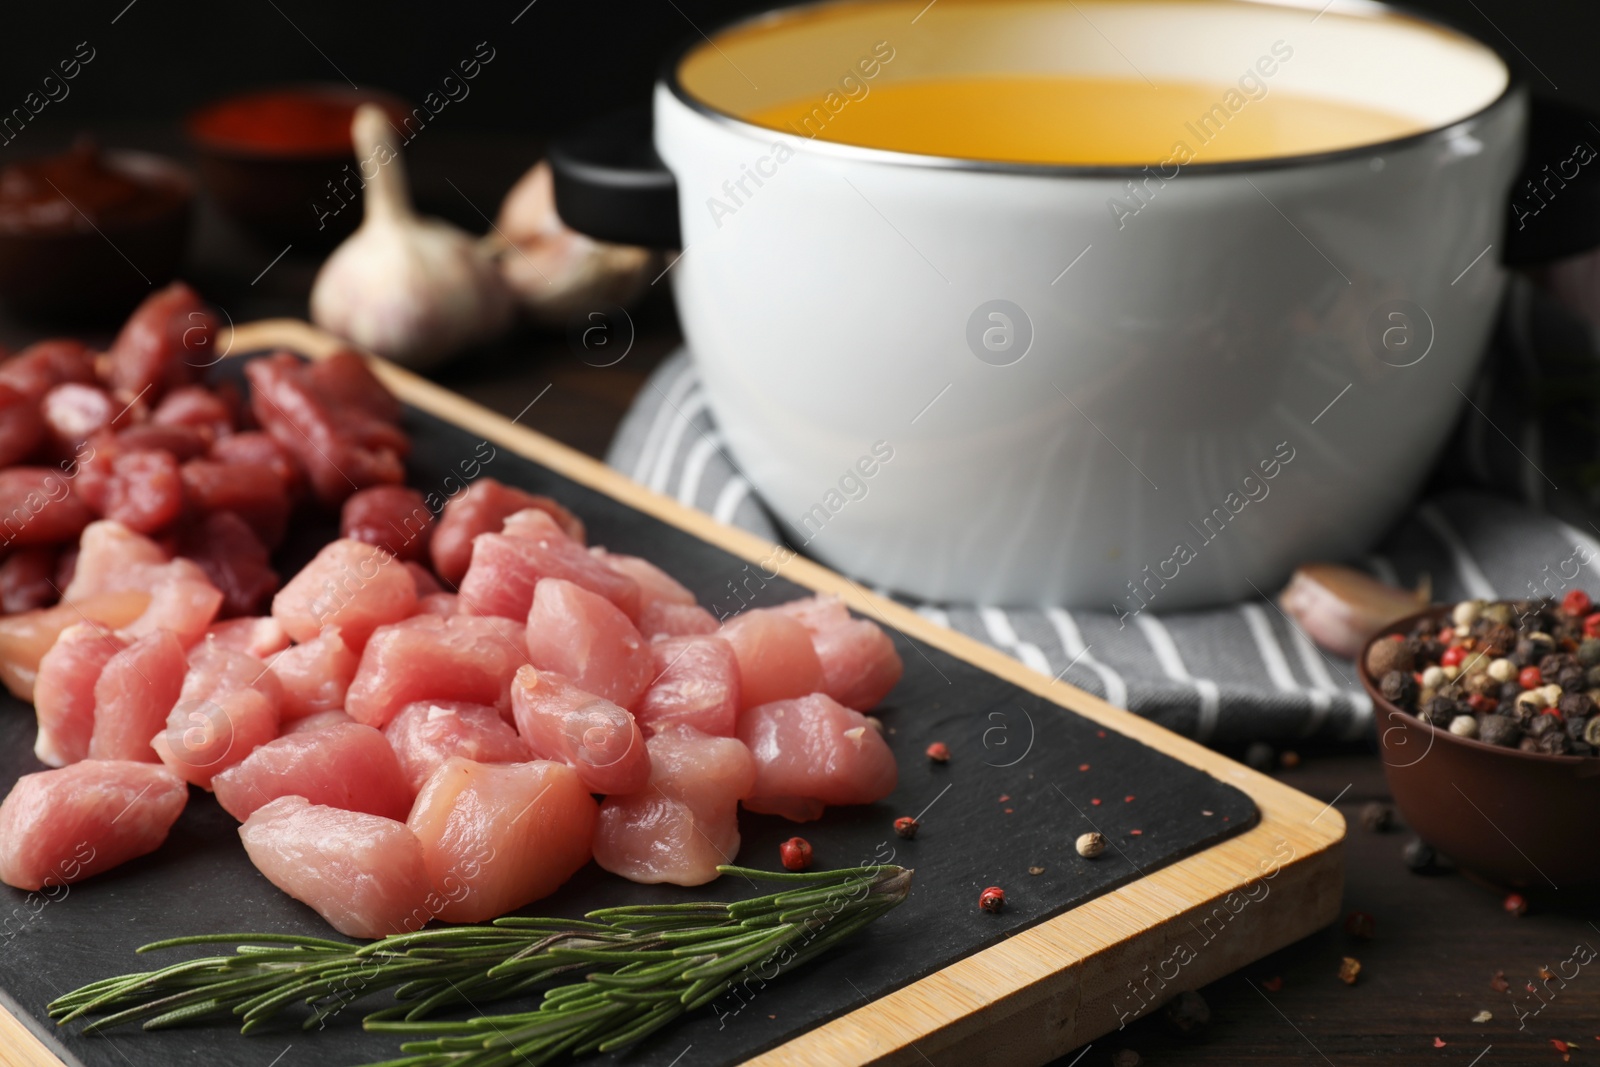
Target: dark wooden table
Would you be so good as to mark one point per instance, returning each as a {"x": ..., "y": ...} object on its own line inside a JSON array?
[{"x": 1440, "y": 939}]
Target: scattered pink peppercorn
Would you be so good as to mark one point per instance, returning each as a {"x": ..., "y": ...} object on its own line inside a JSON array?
[
  {"x": 1360, "y": 925},
  {"x": 1447, "y": 635},
  {"x": 1530, "y": 678},
  {"x": 1452, "y": 657},
  {"x": 1591, "y": 625},
  {"x": 939, "y": 752},
  {"x": 1577, "y": 602},
  {"x": 907, "y": 827},
  {"x": 992, "y": 899},
  {"x": 795, "y": 854},
  {"x": 1516, "y": 904}
]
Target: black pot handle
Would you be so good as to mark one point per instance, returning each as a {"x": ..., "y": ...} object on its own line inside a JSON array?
[
  {"x": 1555, "y": 203},
  {"x": 611, "y": 185}
]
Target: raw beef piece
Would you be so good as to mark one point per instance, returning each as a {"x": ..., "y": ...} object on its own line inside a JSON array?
[
  {"x": 354, "y": 586},
  {"x": 28, "y": 580},
  {"x": 498, "y": 836},
  {"x": 695, "y": 682},
  {"x": 813, "y": 752},
  {"x": 345, "y": 766},
  {"x": 160, "y": 346},
  {"x": 596, "y": 738},
  {"x": 133, "y": 696},
  {"x": 39, "y": 507},
  {"x": 484, "y": 508},
  {"x": 433, "y": 657},
  {"x": 63, "y": 697},
  {"x": 859, "y": 663},
  {"x": 64, "y": 825},
  {"x": 427, "y": 733},
  {"x": 393, "y": 517},
  {"x": 776, "y": 657},
  {"x": 685, "y": 823},
  {"x": 363, "y": 873},
  {"x": 587, "y": 638}
]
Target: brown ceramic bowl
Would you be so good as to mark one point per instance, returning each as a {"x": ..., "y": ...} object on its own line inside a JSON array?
[
  {"x": 1519, "y": 819},
  {"x": 84, "y": 273},
  {"x": 305, "y": 193}
]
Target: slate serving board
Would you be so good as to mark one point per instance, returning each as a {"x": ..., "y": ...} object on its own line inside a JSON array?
[{"x": 1025, "y": 778}]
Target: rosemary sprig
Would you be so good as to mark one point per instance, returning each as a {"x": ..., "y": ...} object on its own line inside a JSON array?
[{"x": 637, "y": 968}]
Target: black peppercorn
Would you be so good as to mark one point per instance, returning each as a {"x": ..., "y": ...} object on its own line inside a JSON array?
[
  {"x": 1399, "y": 687},
  {"x": 1591, "y": 678},
  {"x": 1419, "y": 856},
  {"x": 1439, "y": 712},
  {"x": 1498, "y": 639},
  {"x": 1187, "y": 1012},
  {"x": 1576, "y": 705},
  {"x": 1525, "y": 653},
  {"x": 1589, "y": 652},
  {"x": 1508, "y": 692},
  {"x": 1377, "y": 816},
  {"x": 1498, "y": 730},
  {"x": 1528, "y": 744},
  {"x": 1554, "y": 743},
  {"x": 1543, "y": 724},
  {"x": 1574, "y": 728}
]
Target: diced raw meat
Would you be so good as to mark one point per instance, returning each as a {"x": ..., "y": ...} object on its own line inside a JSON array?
[
  {"x": 144, "y": 492},
  {"x": 64, "y": 825},
  {"x": 431, "y": 657},
  {"x": 599, "y": 740},
  {"x": 363, "y": 873},
  {"x": 427, "y": 584},
  {"x": 342, "y": 449},
  {"x": 41, "y": 366},
  {"x": 258, "y": 635},
  {"x": 345, "y": 379},
  {"x": 393, "y": 517},
  {"x": 439, "y": 604},
  {"x": 484, "y": 508},
  {"x": 63, "y": 697},
  {"x": 695, "y": 683},
  {"x": 254, "y": 448},
  {"x": 184, "y": 442},
  {"x": 776, "y": 657},
  {"x": 161, "y": 344},
  {"x": 112, "y": 558},
  {"x": 27, "y": 580},
  {"x": 197, "y": 408},
  {"x": 235, "y": 560},
  {"x": 585, "y": 637},
  {"x": 38, "y": 507},
  {"x": 316, "y": 675},
  {"x": 813, "y": 752},
  {"x": 21, "y": 427},
  {"x": 25, "y": 638},
  {"x": 505, "y": 570},
  {"x": 859, "y": 663},
  {"x": 136, "y": 691},
  {"x": 427, "y": 733},
  {"x": 109, "y": 555},
  {"x": 228, "y": 707},
  {"x": 662, "y": 619},
  {"x": 655, "y": 584},
  {"x": 254, "y": 491},
  {"x": 354, "y": 586},
  {"x": 348, "y": 766},
  {"x": 498, "y": 836},
  {"x": 318, "y": 721},
  {"x": 73, "y": 413},
  {"x": 183, "y": 601},
  {"x": 686, "y": 822}
]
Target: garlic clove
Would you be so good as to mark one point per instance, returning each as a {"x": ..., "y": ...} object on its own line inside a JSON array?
[
  {"x": 414, "y": 290},
  {"x": 556, "y": 271},
  {"x": 1340, "y": 608}
]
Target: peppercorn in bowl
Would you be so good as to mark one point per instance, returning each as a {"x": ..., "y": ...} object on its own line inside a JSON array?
[{"x": 1488, "y": 721}]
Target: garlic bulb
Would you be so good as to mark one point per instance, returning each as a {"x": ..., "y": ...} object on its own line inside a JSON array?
[
  {"x": 555, "y": 271},
  {"x": 1340, "y": 608},
  {"x": 412, "y": 289}
]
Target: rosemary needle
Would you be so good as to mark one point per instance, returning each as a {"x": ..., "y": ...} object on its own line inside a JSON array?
[{"x": 608, "y": 980}]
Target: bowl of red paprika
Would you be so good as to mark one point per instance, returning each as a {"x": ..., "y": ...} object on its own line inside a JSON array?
[
  {"x": 1519, "y": 819},
  {"x": 279, "y": 161}
]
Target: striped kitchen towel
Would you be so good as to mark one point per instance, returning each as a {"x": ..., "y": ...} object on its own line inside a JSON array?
[{"x": 1492, "y": 522}]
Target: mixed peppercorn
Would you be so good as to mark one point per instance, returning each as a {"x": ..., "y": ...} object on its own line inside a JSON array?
[{"x": 1522, "y": 674}]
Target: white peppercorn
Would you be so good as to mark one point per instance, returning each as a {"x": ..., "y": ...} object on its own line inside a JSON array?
[
  {"x": 1502, "y": 670},
  {"x": 1464, "y": 726},
  {"x": 1090, "y": 845}
]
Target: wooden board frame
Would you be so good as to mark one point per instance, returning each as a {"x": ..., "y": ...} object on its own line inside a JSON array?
[{"x": 1050, "y": 988}]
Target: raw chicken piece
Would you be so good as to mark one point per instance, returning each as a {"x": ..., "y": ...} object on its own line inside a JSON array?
[
  {"x": 63, "y": 697},
  {"x": 38, "y": 507},
  {"x": 484, "y": 508},
  {"x": 229, "y": 705},
  {"x": 112, "y": 558},
  {"x": 812, "y": 752},
  {"x": 354, "y": 586},
  {"x": 109, "y": 555},
  {"x": 662, "y": 619},
  {"x": 439, "y": 604},
  {"x": 587, "y": 638},
  {"x": 432, "y": 657},
  {"x": 696, "y": 682},
  {"x": 25, "y": 638},
  {"x": 685, "y": 822},
  {"x": 343, "y": 766},
  {"x": 599, "y": 740},
  {"x": 506, "y": 568},
  {"x": 363, "y": 873},
  {"x": 859, "y": 663},
  {"x": 776, "y": 657},
  {"x": 316, "y": 675},
  {"x": 656, "y": 586},
  {"x": 427, "y": 585},
  {"x": 498, "y": 836},
  {"x": 427, "y": 733},
  {"x": 182, "y": 600},
  {"x": 316, "y": 721},
  {"x": 64, "y": 825},
  {"x": 133, "y": 696},
  {"x": 260, "y": 636}
]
